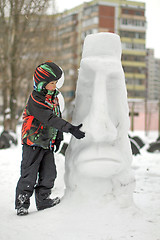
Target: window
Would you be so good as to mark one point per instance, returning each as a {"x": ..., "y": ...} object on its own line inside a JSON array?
[
  {"x": 67, "y": 19},
  {"x": 89, "y": 10},
  {"x": 133, "y": 12},
  {"x": 134, "y": 81},
  {"x": 139, "y": 13},
  {"x": 67, "y": 50},
  {"x": 66, "y": 29},
  {"x": 133, "y": 58},
  {"x": 137, "y": 35},
  {"x": 125, "y": 11},
  {"x": 133, "y": 46},
  {"x": 90, "y": 31},
  {"x": 133, "y": 22},
  {"x": 134, "y": 70},
  {"x": 90, "y": 21}
]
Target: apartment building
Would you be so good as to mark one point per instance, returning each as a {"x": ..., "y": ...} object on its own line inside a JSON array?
[
  {"x": 157, "y": 78},
  {"x": 153, "y": 75},
  {"x": 126, "y": 18},
  {"x": 132, "y": 31}
]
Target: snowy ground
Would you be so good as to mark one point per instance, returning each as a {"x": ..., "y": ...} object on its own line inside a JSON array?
[{"x": 80, "y": 220}]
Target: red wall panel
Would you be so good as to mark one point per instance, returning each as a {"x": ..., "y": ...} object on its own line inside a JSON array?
[{"x": 107, "y": 17}]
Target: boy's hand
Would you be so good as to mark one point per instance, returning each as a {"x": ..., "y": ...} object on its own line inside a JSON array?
[{"x": 74, "y": 130}]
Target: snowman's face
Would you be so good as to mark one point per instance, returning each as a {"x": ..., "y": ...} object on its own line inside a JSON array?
[{"x": 101, "y": 105}]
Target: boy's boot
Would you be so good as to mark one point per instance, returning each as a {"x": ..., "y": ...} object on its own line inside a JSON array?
[
  {"x": 22, "y": 204},
  {"x": 43, "y": 201},
  {"x": 22, "y": 211}
]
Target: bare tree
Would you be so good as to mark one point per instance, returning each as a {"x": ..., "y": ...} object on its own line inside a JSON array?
[{"x": 24, "y": 26}]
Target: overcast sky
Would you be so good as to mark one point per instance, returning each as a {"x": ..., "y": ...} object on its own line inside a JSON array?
[{"x": 152, "y": 15}]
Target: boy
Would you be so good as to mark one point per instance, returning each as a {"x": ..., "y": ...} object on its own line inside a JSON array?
[{"x": 42, "y": 131}]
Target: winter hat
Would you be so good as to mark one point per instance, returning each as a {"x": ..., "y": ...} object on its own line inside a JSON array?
[{"x": 45, "y": 73}]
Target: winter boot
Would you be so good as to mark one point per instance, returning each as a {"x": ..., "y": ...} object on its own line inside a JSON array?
[
  {"x": 22, "y": 211},
  {"x": 43, "y": 201},
  {"x": 22, "y": 204}
]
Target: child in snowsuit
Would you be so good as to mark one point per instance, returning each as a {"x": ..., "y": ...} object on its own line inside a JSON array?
[{"x": 42, "y": 133}]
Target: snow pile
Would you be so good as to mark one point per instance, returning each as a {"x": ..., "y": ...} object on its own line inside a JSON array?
[
  {"x": 100, "y": 164},
  {"x": 76, "y": 220}
]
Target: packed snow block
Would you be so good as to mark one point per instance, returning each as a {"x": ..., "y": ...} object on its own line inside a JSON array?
[
  {"x": 7, "y": 138},
  {"x": 100, "y": 163}
]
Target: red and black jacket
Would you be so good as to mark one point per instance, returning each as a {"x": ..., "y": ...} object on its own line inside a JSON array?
[{"x": 42, "y": 122}]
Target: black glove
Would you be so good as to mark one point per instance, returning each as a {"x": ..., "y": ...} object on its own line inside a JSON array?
[
  {"x": 57, "y": 144},
  {"x": 74, "y": 130}
]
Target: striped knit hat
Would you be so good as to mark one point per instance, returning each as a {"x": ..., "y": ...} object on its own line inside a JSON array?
[{"x": 45, "y": 73}]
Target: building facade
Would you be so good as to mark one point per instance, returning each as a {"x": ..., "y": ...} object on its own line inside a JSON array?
[
  {"x": 153, "y": 76},
  {"x": 126, "y": 18}
]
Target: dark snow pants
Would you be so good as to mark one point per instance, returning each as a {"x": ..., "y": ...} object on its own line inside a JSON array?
[{"x": 38, "y": 171}]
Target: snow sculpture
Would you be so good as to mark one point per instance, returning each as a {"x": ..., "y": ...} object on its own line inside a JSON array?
[{"x": 100, "y": 164}]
